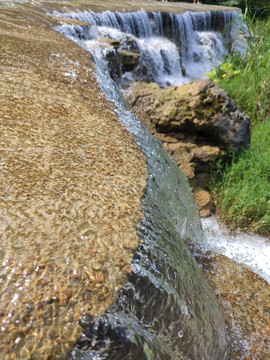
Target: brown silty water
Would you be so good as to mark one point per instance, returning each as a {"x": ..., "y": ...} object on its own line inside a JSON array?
[{"x": 71, "y": 184}]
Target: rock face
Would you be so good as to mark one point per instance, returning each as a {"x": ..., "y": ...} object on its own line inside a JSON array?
[
  {"x": 244, "y": 297},
  {"x": 197, "y": 123}
]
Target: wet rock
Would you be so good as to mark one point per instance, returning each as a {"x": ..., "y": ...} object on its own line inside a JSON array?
[
  {"x": 197, "y": 124},
  {"x": 111, "y": 42},
  {"x": 85, "y": 321},
  {"x": 128, "y": 59},
  {"x": 204, "y": 201},
  {"x": 120, "y": 55},
  {"x": 199, "y": 107},
  {"x": 69, "y": 168},
  {"x": 106, "y": 341},
  {"x": 245, "y": 299}
]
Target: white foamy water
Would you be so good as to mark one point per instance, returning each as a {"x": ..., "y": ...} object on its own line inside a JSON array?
[
  {"x": 205, "y": 53},
  {"x": 245, "y": 248},
  {"x": 162, "y": 58},
  {"x": 175, "y": 49}
]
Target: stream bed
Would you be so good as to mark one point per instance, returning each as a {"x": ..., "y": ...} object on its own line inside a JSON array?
[
  {"x": 245, "y": 248},
  {"x": 157, "y": 313},
  {"x": 236, "y": 265}
]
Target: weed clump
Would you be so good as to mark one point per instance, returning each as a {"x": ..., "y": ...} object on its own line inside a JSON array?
[{"x": 242, "y": 189}]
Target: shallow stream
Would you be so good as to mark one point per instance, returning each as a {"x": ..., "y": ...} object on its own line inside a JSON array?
[
  {"x": 145, "y": 303},
  {"x": 243, "y": 247},
  {"x": 166, "y": 309}
]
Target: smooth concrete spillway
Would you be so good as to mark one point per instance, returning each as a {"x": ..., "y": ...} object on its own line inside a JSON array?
[{"x": 165, "y": 310}]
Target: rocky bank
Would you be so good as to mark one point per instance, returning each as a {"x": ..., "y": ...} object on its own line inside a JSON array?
[
  {"x": 72, "y": 179},
  {"x": 197, "y": 123}
]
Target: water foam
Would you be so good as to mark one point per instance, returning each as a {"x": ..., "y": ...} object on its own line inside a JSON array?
[
  {"x": 175, "y": 49},
  {"x": 245, "y": 248}
]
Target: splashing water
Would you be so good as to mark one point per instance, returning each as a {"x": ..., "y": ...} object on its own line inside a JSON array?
[
  {"x": 166, "y": 308},
  {"x": 174, "y": 49},
  {"x": 249, "y": 249}
]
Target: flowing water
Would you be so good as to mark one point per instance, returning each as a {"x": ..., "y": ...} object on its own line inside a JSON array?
[
  {"x": 174, "y": 49},
  {"x": 165, "y": 310},
  {"x": 246, "y": 248}
]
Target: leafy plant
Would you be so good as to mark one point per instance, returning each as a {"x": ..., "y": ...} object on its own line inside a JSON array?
[
  {"x": 246, "y": 77},
  {"x": 224, "y": 72},
  {"x": 148, "y": 352},
  {"x": 242, "y": 188},
  {"x": 255, "y": 61}
]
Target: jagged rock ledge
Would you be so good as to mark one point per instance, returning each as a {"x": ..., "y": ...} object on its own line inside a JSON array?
[
  {"x": 197, "y": 123},
  {"x": 132, "y": 5}
]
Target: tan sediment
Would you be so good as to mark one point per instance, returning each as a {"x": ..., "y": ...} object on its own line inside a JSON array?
[
  {"x": 133, "y": 5},
  {"x": 71, "y": 183},
  {"x": 245, "y": 299}
]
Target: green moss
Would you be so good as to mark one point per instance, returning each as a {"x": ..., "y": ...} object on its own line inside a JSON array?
[
  {"x": 166, "y": 96},
  {"x": 203, "y": 95},
  {"x": 173, "y": 112}
]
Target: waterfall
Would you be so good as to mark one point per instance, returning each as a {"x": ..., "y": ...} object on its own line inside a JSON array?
[
  {"x": 174, "y": 48},
  {"x": 165, "y": 310}
]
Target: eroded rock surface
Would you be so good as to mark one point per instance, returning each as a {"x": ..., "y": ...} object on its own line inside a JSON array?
[
  {"x": 245, "y": 299},
  {"x": 197, "y": 124},
  {"x": 72, "y": 182},
  {"x": 72, "y": 179}
]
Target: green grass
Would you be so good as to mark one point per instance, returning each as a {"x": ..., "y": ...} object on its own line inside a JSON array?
[
  {"x": 251, "y": 89},
  {"x": 242, "y": 189}
]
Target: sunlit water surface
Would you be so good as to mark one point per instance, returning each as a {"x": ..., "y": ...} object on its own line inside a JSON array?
[{"x": 245, "y": 248}]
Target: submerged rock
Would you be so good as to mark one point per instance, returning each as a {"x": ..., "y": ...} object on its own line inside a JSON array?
[
  {"x": 166, "y": 310},
  {"x": 128, "y": 59},
  {"x": 245, "y": 299},
  {"x": 74, "y": 178},
  {"x": 69, "y": 201},
  {"x": 197, "y": 124}
]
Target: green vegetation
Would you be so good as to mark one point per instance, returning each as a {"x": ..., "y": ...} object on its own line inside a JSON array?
[
  {"x": 242, "y": 188},
  {"x": 224, "y": 72},
  {"x": 148, "y": 352},
  {"x": 258, "y": 8}
]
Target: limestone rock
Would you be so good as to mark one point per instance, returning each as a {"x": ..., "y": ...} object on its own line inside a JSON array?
[
  {"x": 122, "y": 56},
  {"x": 197, "y": 123},
  {"x": 199, "y": 107},
  {"x": 244, "y": 298},
  {"x": 128, "y": 59},
  {"x": 111, "y": 42},
  {"x": 204, "y": 202}
]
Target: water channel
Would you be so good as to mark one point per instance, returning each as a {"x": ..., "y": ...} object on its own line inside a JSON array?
[
  {"x": 174, "y": 49},
  {"x": 166, "y": 310}
]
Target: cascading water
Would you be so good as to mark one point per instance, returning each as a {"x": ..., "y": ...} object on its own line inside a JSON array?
[
  {"x": 193, "y": 46},
  {"x": 246, "y": 248},
  {"x": 165, "y": 310}
]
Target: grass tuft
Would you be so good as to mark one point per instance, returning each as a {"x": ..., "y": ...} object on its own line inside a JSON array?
[{"x": 242, "y": 189}]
